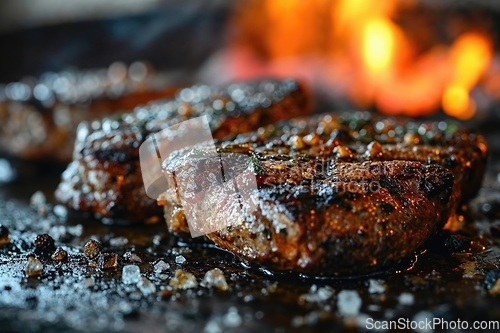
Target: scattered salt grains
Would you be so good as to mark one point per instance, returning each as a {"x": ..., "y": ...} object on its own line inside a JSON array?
[
  {"x": 146, "y": 287},
  {"x": 161, "y": 267},
  {"x": 406, "y": 299},
  {"x": 215, "y": 278},
  {"x": 180, "y": 259},
  {"x": 183, "y": 280},
  {"x": 423, "y": 317},
  {"x": 58, "y": 232},
  {"x": 232, "y": 318},
  {"x": 376, "y": 286},
  {"x": 157, "y": 239},
  {"x": 38, "y": 199},
  {"x": 88, "y": 283},
  {"x": 33, "y": 267},
  {"x": 75, "y": 231},
  {"x": 348, "y": 302},
  {"x": 92, "y": 264},
  {"x": 316, "y": 295},
  {"x": 60, "y": 211},
  {"x": 272, "y": 288},
  {"x": 469, "y": 268},
  {"x": 125, "y": 307},
  {"x": 133, "y": 257},
  {"x": 247, "y": 298},
  {"x": 118, "y": 242},
  {"x": 373, "y": 307},
  {"x": 45, "y": 224},
  {"x": 131, "y": 274},
  {"x": 309, "y": 319},
  {"x": 110, "y": 261},
  {"x": 212, "y": 326},
  {"x": 7, "y": 172}
]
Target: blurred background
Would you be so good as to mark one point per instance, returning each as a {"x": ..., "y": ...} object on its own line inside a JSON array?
[{"x": 413, "y": 57}]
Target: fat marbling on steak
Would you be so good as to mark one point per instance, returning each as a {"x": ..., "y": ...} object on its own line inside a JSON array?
[
  {"x": 105, "y": 176},
  {"x": 341, "y": 194}
]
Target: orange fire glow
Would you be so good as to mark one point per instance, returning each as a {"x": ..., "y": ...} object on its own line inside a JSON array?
[
  {"x": 378, "y": 45},
  {"x": 357, "y": 48},
  {"x": 470, "y": 56}
]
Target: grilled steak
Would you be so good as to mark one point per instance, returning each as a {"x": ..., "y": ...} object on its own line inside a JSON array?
[
  {"x": 105, "y": 176},
  {"x": 38, "y": 119},
  {"x": 342, "y": 194}
]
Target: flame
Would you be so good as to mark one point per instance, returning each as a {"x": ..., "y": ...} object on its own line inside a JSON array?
[
  {"x": 470, "y": 54},
  {"x": 456, "y": 102},
  {"x": 305, "y": 39},
  {"x": 378, "y": 45},
  {"x": 357, "y": 49}
]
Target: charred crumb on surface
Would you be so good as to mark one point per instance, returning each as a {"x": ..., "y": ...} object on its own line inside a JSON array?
[
  {"x": 4, "y": 231},
  {"x": 4, "y": 235},
  {"x": 215, "y": 278},
  {"x": 438, "y": 183},
  {"x": 34, "y": 267},
  {"x": 92, "y": 248},
  {"x": 59, "y": 254},
  {"x": 109, "y": 261},
  {"x": 44, "y": 243},
  {"x": 183, "y": 280},
  {"x": 457, "y": 243},
  {"x": 135, "y": 257}
]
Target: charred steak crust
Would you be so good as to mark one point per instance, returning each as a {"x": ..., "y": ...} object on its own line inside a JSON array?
[
  {"x": 318, "y": 212},
  {"x": 105, "y": 177},
  {"x": 333, "y": 231},
  {"x": 39, "y": 118}
]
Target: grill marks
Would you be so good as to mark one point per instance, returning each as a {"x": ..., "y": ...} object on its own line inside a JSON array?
[
  {"x": 105, "y": 176},
  {"x": 348, "y": 194}
]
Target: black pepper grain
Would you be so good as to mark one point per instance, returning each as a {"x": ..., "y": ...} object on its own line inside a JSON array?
[
  {"x": 3, "y": 231},
  {"x": 44, "y": 243}
]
